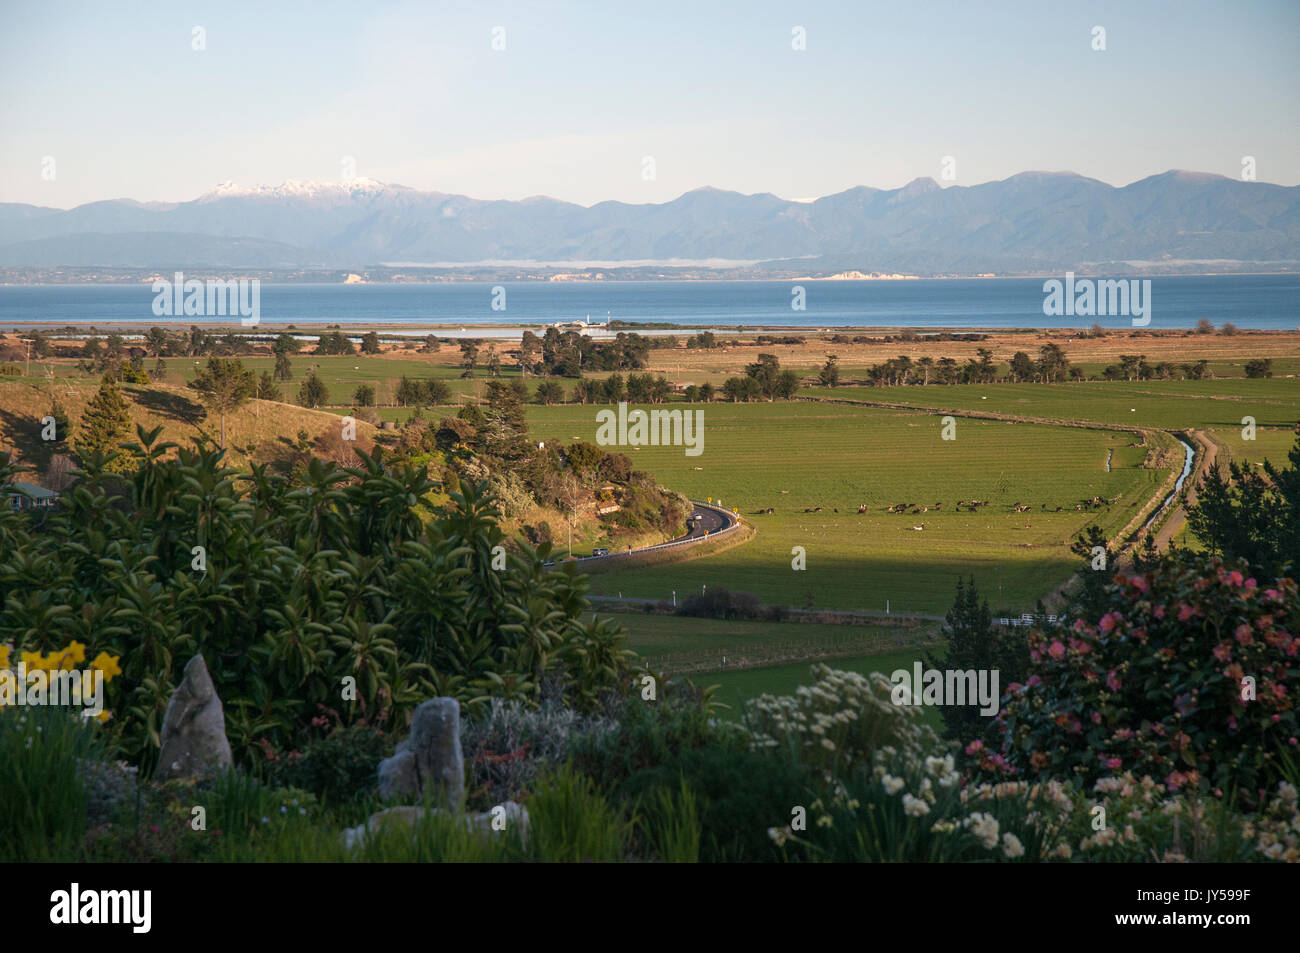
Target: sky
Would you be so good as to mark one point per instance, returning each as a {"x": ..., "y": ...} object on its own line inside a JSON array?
[{"x": 161, "y": 101}]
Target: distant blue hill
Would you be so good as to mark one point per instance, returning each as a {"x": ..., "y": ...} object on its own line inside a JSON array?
[{"x": 1030, "y": 223}]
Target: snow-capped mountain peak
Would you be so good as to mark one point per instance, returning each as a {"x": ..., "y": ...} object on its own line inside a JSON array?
[{"x": 298, "y": 189}]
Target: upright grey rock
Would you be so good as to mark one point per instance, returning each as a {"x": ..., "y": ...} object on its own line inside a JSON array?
[
  {"x": 430, "y": 760},
  {"x": 194, "y": 727}
]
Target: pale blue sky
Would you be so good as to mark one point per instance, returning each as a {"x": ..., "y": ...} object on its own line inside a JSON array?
[{"x": 583, "y": 91}]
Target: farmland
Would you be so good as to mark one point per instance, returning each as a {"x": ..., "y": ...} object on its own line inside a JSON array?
[{"x": 799, "y": 456}]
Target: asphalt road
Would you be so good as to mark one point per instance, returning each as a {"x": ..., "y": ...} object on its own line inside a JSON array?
[{"x": 714, "y": 522}]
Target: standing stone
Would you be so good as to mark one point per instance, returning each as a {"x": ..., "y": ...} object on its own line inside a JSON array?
[
  {"x": 430, "y": 761},
  {"x": 194, "y": 728}
]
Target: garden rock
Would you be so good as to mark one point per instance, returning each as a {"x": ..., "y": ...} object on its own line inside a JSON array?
[
  {"x": 194, "y": 728},
  {"x": 430, "y": 761}
]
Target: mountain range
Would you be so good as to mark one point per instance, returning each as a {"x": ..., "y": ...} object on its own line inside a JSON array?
[{"x": 1031, "y": 223}]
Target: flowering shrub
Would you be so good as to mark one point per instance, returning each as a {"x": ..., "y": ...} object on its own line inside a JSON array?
[
  {"x": 1157, "y": 685},
  {"x": 838, "y": 722}
]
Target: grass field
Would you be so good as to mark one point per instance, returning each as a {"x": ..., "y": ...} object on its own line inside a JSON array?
[
  {"x": 1273, "y": 402},
  {"x": 795, "y": 456}
]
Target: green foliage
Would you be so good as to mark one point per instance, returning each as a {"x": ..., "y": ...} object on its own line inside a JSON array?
[
  {"x": 1252, "y": 516},
  {"x": 42, "y": 751},
  {"x": 1155, "y": 685},
  {"x": 974, "y": 644},
  {"x": 338, "y": 768},
  {"x": 313, "y": 391},
  {"x": 571, "y": 821},
  {"x": 105, "y": 422},
  {"x": 309, "y": 579},
  {"x": 364, "y": 395}
]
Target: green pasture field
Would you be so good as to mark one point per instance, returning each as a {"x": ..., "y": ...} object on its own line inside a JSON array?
[
  {"x": 838, "y": 457},
  {"x": 1273, "y": 402},
  {"x": 735, "y": 687}
]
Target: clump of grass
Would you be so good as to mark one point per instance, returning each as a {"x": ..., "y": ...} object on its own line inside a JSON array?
[
  {"x": 671, "y": 825},
  {"x": 570, "y": 821},
  {"x": 42, "y": 756}
]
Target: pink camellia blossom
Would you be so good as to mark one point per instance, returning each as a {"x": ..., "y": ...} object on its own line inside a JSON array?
[
  {"x": 1272, "y": 595},
  {"x": 1124, "y": 734},
  {"x": 1251, "y": 583},
  {"x": 1243, "y": 635},
  {"x": 1185, "y": 612},
  {"x": 1096, "y": 718},
  {"x": 1277, "y": 718},
  {"x": 1223, "y": 652},
  {"x": 1158, "y": 612},
  {"x": 1033, "y": 680},
  {"x": 1139, "y": 583},
  {"x": 1109, "y": 621},
  {"x": 1279, "y": 690},
  {"x": 1114, "y": 763},
  {"x": 1014, "y": 687},
  {"x": 1112, "y": 681},
  {"x": 975, "y": 746},
  {"x": 1291, "y": 741},
  {"x": 1056, "y": 651},
  {"x": 1236, "y": 578}
]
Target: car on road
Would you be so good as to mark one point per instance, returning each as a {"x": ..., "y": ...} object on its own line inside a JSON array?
[{"x": 600, "y": 551}]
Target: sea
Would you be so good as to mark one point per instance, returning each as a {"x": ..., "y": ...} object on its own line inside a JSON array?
[{"x": 1248, "y": 301}]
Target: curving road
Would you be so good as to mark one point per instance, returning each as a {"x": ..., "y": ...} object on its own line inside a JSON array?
[{"x": 715, "y": 521}]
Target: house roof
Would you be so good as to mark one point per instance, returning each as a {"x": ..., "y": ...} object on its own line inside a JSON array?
[{"x": 31, "y": 489}]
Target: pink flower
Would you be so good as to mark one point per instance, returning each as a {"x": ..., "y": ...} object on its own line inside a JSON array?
[
  {"x": 1185, "y": 612},
  {"x": 1291, "y": 741},
  {"x": 1244, "y": 636},
  {"x": 1096, "y": 718},
  {"x": 1158, "y": 612},
  {"x": 1124, "y": 734},
  {"x": 1251, "y": 583},
  {"x": 1223, "y": 652},
  {"x": 1056, "y": 651},
  {"x": 1277, "y": 718},
  {"x": 1273, "y": 594},
  {"x": 1279, "y": 690},
  {"x": 975, "y": 746},
  {"x": 1033, "y": 680},
  {"x": 1139, "y": 583},
  {"x": 1112, "y": 681},
  {"x": 1236, "y": 578},
  {"x": 1107, "y": 623},
  {"x": 1114, "y": 763}
]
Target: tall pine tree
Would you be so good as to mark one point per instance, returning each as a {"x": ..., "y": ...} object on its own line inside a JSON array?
[{"x": 105, "y": 424}]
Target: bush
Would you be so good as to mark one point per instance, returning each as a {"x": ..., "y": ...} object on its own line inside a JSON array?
[
  {"x": 839, "y": 722},
  {"x": 722, "y": 604},
  {"x": 1155, "y": 685},
  {"x": 338, "y": 768},
  {"x": 506, "y": 744}
]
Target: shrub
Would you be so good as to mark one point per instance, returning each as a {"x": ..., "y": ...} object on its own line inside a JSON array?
[
  {"x": 506, "y": 744},
  {"x": 338, "y": 768},
  {"x": 722, "y": 604},
  {"x": 1155, "y": 685},
  {"x": 570, "y": 820},
  {"x": 839, "y": 722}
]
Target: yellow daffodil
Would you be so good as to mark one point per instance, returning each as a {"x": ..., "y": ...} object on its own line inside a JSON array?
[
  {"x": 76, "y": 651},
  {"x": 107, "y": 664},
  {"x": 34, "y": 661},
  {"x": 4, "y": 656},
  {"x": 103, "y": 716}
]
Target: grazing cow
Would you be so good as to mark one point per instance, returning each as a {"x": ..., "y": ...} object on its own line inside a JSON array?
[{"x": 862, "y": 508}]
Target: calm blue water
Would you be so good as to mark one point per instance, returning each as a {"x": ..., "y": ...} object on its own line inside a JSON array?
[{"x": 1271, "y": 301}]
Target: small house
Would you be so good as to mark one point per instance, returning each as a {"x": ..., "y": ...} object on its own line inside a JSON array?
[{"x": 29, "y": 496}]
